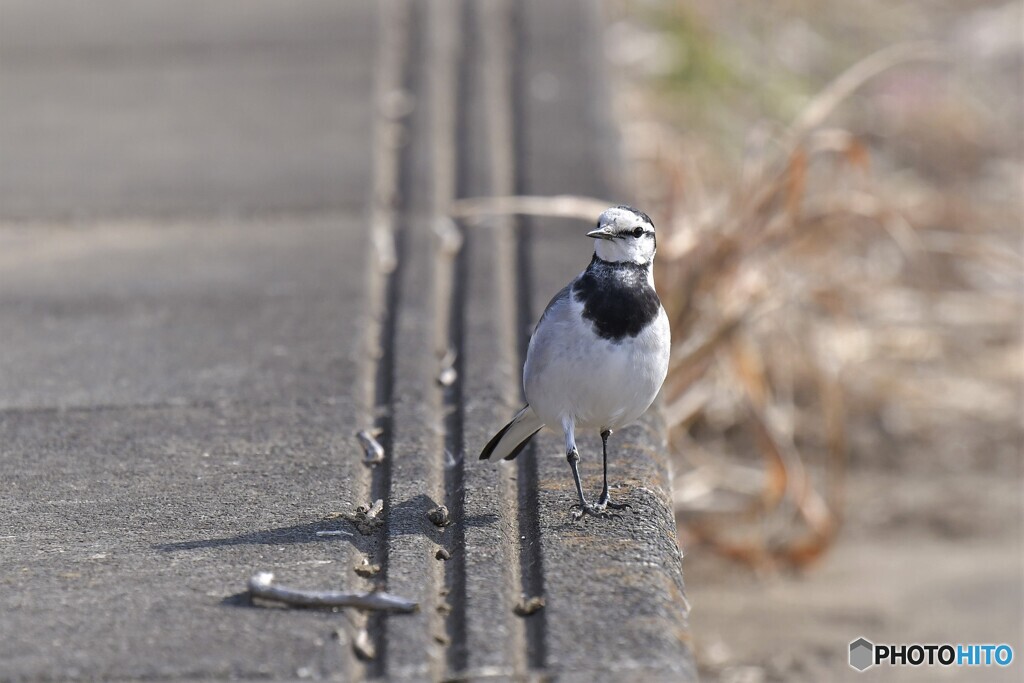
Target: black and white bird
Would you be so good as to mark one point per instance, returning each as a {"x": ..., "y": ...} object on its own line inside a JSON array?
[{"x": 600, "y": 352}]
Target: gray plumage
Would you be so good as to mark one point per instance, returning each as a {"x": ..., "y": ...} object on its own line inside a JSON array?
[{"x": 600, "y": 352}]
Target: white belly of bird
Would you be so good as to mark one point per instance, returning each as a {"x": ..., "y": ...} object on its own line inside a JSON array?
[{"x": 597, "y": 383}]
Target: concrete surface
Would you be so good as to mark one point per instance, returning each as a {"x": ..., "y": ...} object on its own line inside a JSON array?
[
  {"x": 152, "y": 107},
  {"x": 194, "y": 324}
]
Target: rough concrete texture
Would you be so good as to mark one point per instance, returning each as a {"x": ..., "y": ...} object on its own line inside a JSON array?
[
  {"x": 129, "y": 108},
  {"x": 194, "y": 324}
]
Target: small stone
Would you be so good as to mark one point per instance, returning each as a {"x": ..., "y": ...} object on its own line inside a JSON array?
[
  {"x": 440, "y": 516},
  {"x": 373, "y": 452},
  {"x": 367, "y": 570},
  {"x": 448, "y": 375},
  {"x": 442, "y": 555}
]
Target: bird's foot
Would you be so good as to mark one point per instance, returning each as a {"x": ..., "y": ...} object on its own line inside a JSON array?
[
  {"x": 592, "y": 509},
  {"x": 605, "y": 503},
  {"x": 602, "y": 508}
]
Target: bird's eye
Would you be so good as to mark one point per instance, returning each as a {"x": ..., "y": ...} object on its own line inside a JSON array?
[{"x": 637, "y": 232}]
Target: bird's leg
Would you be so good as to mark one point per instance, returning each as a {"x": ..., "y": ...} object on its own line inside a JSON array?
[
  {"x": 573, "y": 456},
  {"x": 585, "y": 508},
  {"x": 603, "y": 501}
]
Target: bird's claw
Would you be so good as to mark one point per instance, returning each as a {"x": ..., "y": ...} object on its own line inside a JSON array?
[
  {"x": 602, "y": 508},
  {"x": 589, "y": 509}
]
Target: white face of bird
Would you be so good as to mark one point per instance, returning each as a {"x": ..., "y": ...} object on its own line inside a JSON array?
[{"x": 624, "y": 234}]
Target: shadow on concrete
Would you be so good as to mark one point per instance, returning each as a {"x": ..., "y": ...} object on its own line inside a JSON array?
[
  {"x": 283, "y": 535},
  {"x": 408, "y": 517},
  {"x": 243, "y": 599}
]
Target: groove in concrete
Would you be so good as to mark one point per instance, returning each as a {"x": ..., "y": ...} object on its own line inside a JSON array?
[
  {"x": 454, "y": 473},
  {"x": 531, "y": 565},
  {"x": 446, "y": 54},
  {"x": 495, "y": 644},
  {"x": 391, "y": 80},
  {"x": 414, "y": 645}
]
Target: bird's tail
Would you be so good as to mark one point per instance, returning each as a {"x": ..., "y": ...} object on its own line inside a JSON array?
[{"x": 513, "y": 437}]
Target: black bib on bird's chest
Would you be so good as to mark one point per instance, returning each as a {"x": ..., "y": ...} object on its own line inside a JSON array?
[{"x": 616, "y": 298}]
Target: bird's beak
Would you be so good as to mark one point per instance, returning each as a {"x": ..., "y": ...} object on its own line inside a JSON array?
[{"x": 603, "y": 233}]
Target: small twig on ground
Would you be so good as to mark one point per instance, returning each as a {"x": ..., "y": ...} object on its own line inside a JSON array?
[
  {"x": 261, "y": 586},
  {"x": 374, "y": 452},
  {"x": 371, "y": 512},
  {"x": 366, "y": 517}
]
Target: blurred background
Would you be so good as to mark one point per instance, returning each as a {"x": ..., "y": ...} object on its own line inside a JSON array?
[{"x": 839, "y": 190}]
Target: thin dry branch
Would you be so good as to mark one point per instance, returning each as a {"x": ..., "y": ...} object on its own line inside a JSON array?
[
  {"x": 559, "y": 206},
  {"x": 261, "y": 586},
  {"x": 843, "y": 86}
]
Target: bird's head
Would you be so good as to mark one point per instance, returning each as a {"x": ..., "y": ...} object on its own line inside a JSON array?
[{"x": 624, "y": 234}]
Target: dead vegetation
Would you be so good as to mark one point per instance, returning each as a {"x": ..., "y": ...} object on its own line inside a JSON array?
[
  {"x": 811, "y": 287},
  {"x": 758, "y": 308}
]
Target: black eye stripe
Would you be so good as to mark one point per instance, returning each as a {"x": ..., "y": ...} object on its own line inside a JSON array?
[{"x": 635, "y": 232}]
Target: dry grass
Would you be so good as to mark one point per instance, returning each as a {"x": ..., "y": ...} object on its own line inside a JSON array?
[
  {"x": 809, "y": 277},
  {"x": 748, "y": 281}
]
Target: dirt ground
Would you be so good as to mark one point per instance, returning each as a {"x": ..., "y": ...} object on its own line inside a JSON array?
[
  {"x": 931, "y": 558},
  {"x": 930, "y": 547}
]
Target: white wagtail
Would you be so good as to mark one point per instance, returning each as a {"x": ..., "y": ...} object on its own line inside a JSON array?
[{"x": 600, "y": 352}]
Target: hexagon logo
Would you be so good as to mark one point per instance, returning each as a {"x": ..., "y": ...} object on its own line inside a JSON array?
[{"x": 862, "y": 654}]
